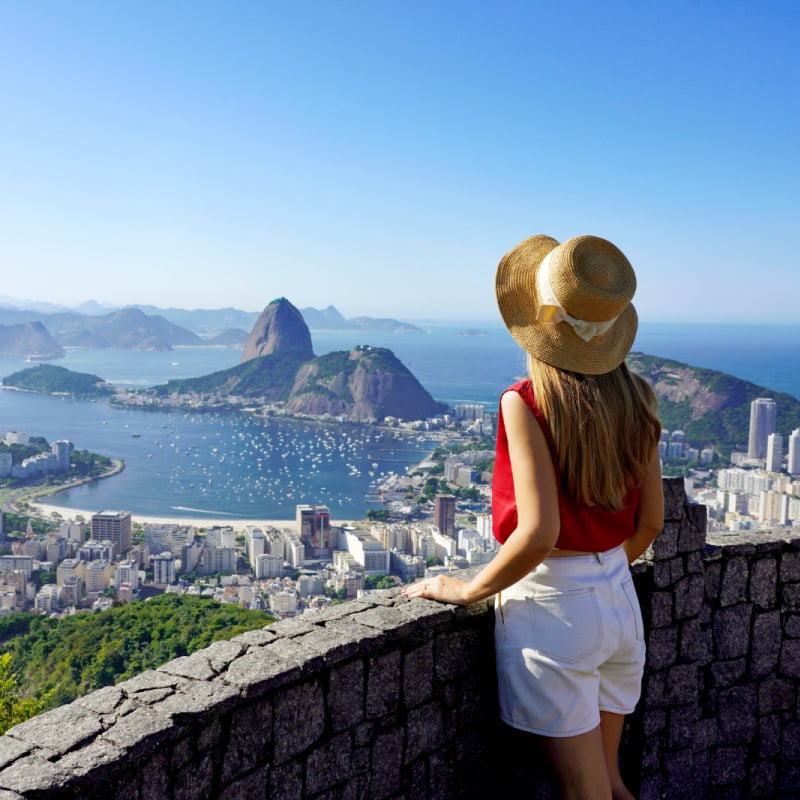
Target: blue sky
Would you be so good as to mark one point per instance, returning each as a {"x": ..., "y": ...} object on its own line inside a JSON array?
[{"x": 382, "y": 156}]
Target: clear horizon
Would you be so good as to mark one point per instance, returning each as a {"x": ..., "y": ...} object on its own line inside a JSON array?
[{"x": 382, "y": 158}]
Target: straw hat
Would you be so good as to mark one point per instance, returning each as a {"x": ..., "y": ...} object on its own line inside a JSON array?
[{"x": 569, "y": 304}]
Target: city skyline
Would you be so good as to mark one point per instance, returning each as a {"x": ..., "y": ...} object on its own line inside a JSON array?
[{"x": 383, "y": 158}]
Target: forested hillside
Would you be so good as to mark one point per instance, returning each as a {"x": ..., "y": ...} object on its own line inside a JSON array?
[{"x": 61, "y": 659}]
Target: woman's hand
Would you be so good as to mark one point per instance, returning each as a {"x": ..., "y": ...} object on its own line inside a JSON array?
[{"x": 442, "y": 588}]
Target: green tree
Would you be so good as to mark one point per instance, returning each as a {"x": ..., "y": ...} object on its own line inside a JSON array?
[{"x": 13, "y": 707}]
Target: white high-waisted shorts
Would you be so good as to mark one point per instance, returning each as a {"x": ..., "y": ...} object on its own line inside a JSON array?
[{"x": 570, "y": 643}]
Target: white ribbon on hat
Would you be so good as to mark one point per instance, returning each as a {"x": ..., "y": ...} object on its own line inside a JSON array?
[{"x": 550, "y": 310}]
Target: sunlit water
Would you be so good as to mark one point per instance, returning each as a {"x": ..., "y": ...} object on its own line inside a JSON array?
[{"x": 218, "y": 464}]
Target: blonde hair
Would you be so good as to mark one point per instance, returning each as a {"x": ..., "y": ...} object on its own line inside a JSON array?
[{"x": 604, "y": 428}]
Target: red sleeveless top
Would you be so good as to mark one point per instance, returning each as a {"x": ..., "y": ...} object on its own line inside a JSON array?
[{"x": 582, "y": 527}]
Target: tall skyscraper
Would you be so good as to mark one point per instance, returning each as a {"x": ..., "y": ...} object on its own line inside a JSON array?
[
  {"x": 763, "y": 412},
  {"x": 314, "y": 527},
  {"x": 793, "y": 457},
  {"x": 774, "y": 452},
  {"x": 114, "y": 526},
  {"x": 444, "y": 514}
]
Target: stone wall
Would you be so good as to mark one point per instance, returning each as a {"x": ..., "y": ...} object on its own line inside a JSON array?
[{"x": 389, "y": 698}]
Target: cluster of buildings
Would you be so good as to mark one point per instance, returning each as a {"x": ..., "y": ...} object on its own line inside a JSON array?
[
  {"x": 761, "y": 490},
  {"x": 35, "y": 466},
  {"x": 282, "y": 570}
]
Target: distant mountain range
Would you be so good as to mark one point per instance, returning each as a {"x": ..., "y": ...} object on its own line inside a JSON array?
[
  {"x": 150, "y": 328},
  {"x": 710, "y": 407}
]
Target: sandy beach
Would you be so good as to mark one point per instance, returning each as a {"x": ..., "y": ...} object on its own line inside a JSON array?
[{"x": 46, "y": 510}]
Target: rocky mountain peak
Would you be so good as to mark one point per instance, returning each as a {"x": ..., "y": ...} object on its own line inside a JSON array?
[{"x": 280, "y": 329}]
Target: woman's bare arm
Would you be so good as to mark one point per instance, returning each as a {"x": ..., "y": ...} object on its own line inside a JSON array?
[
  {"x": 536, "y": 494},
  {"x": 650, "y": 515}
]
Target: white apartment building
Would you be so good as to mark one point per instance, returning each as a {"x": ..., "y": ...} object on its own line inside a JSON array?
[
  {"x": 774, "y": 452},
  {"x": 268, "y": 566},
  {"x": 368, "y": 552},
  {"x": 283, "y": 603},
  {"x": 47, "y": 599},
  {"x": 127, "y": 572},
  {"x": 793, "y": 456},
  {"x": 255, "y": 543},
  {"x": 98, "y": 576},
  {"x": 163, "y": 568}
]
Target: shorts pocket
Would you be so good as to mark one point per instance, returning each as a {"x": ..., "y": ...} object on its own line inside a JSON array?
[
  {"x": 630, "y": 593},
  {"x": 566, "y": 625}
]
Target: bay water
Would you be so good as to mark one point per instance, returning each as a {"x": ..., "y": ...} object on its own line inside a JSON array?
[{"x": 191, "y": 465}]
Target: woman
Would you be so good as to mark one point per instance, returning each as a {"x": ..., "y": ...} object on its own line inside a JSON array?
[{"x": 576, "y": 496}]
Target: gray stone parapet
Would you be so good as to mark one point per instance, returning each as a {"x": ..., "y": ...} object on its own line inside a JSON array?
[{"x": 389, "y": 698}]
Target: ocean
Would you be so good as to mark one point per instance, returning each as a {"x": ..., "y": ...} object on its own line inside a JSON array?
[{"x": 231, "y": 464}]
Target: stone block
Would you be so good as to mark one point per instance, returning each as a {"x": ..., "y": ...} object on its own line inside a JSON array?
[
  {"x": 661, "y": 615},
  {"x": 456, "y": 653},
  {"x": 769, "y": 736},
  {"x": 654, "y": 722},
  {"x": 689, "y": 593},
  {"x": 35, "y": 775},
  {"x": 732, "y": 631},
  {"x": 790, "y": 597},
  {"x": 260, "y": 671},
  {"x": 195, "y": 780},
  {"x": 764, "y": 582},
  {"x": 665, "y": 545},
  {"x": 248, "y": 787},
  {"x": 790, "y": 658},
  {"x": 681, "y": 731},
  {"x": 332, "y": 645},
  {"x": 141, "y": 732},
  {"x": 329, "y": 764},
  {"x": 386, "y": 763},
  {"x": 286, "y": 782},
  {"x": 763, "y": 779},
  {"x": 727, "y": 673},
  {"x": 255, "y": 638},
  {"x": 345, "y": 695},
  {"x": 662, "y": 648},
  {"x": 60, "y": 730},
  {"x": 292, "y": 626},
  {"x": 713, "y": 578},
  {"x": 790, "y": 567},
  {"x": 792, "y": 626},
  {"x": 383, "y": 684},
  {"x": 766, "y": 643},
  {"x": 735, "y": 578},
  {"x": 299, "y": 719},
  {"x": 790, "y": 742},
  {"x": 197, "y": 699},
  {"x": 250, "y": 740},
  {"x": 681, "y": 684},
  {"x": 695, "y": 642},
  {"x": 396, "y": 622},
  {"x": 736, "y": 715},
  {"x": 418, "y": 675},
  {"x": 155, "y": 780},
  {"x": 728, "y": 765},
  {"x": 11, "y": 749},
  {"x": 674, "y": 498},
  {"x": 220, "y": 654},
  {"x": 424, "y": 732},
  {"x": 104, "y": 701},
  {"x": 95, "y": 757}
]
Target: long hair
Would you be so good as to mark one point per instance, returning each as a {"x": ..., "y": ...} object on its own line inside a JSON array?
[{"x": 604, "y": 428}]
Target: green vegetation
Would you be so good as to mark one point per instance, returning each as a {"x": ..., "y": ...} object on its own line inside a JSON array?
[
  {"x": 50, "y": 379},
  {"x": 380, "y": 582},
  {"x": 57, "y": 660},
  {"x": 13, "y": 707}
]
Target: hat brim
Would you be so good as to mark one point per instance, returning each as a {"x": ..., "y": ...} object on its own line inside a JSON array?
[{"x": 555, "y": 343}]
